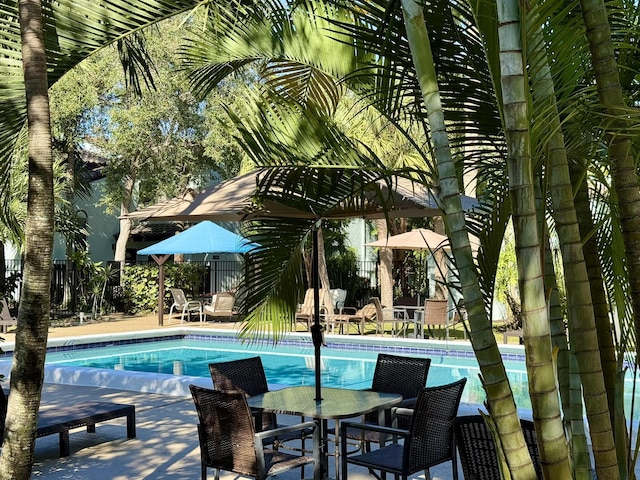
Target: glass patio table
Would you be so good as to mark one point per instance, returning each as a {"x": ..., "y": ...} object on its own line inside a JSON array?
[{"x": 336, "y": 404}]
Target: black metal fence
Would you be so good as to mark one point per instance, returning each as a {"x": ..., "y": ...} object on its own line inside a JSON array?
[{"x": 78, "y": 288}]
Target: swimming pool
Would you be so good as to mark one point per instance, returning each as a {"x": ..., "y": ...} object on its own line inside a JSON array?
[
  {"x": 168, "y": 360},
  {"x": 287, "y": 364}
]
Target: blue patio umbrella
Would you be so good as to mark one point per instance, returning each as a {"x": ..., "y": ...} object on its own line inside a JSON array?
[{"x": 204, "y": 237}]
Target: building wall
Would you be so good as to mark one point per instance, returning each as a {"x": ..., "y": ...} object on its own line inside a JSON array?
[{"x": 102, "y": 228}]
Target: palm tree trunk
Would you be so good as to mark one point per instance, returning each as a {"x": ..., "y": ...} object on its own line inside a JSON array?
[
  {"x": 623, "y": 168},
  {"x": 499, "y": 394},
  {"x": 611, "y": 366},
  {"x": 581, "y": 318},
  {"x": 554, "y": 454},
  {"x": 27, "y": 372},
  {"x": 385, "y": 271}
]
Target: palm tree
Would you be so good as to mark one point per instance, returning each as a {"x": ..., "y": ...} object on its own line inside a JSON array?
[
  {"x": 25, "y": 81},
  {"x": 389, "y": 93},
  {"x": 27, "y": 371}
]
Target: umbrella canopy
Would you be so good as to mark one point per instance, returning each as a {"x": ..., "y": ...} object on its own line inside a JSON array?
[
  {"x": 205, "y": 237},
  {"x": 419, "y": 239},
  {"x": 233, "y": 200}
]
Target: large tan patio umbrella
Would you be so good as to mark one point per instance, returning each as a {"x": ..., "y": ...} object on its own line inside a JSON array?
[
  {"x": 419, "y": 239},
  {"x": 234, "y": 200}
]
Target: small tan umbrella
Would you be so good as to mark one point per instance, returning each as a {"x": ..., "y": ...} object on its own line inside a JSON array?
[{"x": 419, "y": 239}]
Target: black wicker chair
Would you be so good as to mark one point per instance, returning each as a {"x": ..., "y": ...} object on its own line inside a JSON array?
[
  {"x": 477, "y": 451},
  {"x": 228, "y": 440},
  {"x": 394, "y": 374},
  {"x": 246, "y": 375},
  {"x": 427, "y": 443}
]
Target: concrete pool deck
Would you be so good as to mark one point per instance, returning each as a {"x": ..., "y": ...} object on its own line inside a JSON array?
[{"x": 166, "y": 446}]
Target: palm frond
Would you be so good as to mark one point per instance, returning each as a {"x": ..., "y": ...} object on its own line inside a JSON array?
[{"x": 274, "y": 281}]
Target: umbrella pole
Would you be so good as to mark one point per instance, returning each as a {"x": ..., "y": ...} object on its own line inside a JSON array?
[{"x": 316, "y": 333}]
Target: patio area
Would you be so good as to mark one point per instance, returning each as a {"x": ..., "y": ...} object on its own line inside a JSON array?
[{"x": 166, "y": 445}]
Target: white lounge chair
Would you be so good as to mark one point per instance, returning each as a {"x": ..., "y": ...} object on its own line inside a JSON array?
[
  {"x": 6, "y": 319},
  {"x": 221, "y": 305},
  {"x": 185, "y": 306}
]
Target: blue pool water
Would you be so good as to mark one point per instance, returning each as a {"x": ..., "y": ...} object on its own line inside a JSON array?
[{"x": 285, "y": 365}]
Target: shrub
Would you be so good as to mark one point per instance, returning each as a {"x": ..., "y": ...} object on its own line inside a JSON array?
[{"x": 140, "y": 284}]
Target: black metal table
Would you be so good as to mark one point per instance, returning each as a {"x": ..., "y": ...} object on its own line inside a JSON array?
[{"x": 336, "y": 404}]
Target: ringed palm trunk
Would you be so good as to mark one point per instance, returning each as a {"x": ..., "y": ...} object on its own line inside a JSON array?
[
  {"x": 547, "y": 418},
  {"x": 583, "y": 335},
  {"x": 623, "y": 168},
  {"x": 33, "y": 316},
  {"x": 499, "y": 393}
]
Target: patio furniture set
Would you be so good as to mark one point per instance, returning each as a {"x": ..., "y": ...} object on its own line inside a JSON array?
[
  {"x": 403, "y": 317},
  {"x": 220, "y": 305},
  {"x": 414, "y": 427}
]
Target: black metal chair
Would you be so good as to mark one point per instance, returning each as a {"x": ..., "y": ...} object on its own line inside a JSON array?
[
  {"x": 428, "y": 441},
  {"x": 477, "y": 450},
  {"x": 229, "y": 441}
]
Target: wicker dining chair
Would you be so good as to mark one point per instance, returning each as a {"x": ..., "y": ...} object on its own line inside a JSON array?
[
  {"x": 397, "y": 374},
  {"x": 228, "y": 440},
  {"x": 401, "y": 375},
  {"x": 428, "y": 441},
  {"x": 246, "y": 375},
  {"x": 477, "y": 451}
]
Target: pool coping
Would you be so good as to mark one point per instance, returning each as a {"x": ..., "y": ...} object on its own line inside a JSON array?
[{"x": 174, "y": 385}]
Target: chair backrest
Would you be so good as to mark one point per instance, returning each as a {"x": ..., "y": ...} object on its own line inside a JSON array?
[
  {"x": 5, "y": 313},
  {"x": 399, "y": 374},
  {"x": 225, "y": 302},
  {"x": 477, "y": 450},
  {"x": 225, "y": 431},
  {"x": 377, "y": 312},
  {"x": 178, "y": 296},
  {"x": 430, "y": 441},
  {"x": 308, "y": 303},
  {"x": 436, "y": 311},
  {"x": 246, "y": 375},
  {"x": 338, "y": 297}
]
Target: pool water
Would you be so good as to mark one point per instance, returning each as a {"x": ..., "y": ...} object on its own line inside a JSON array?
[{"x": 284, "y": 365}]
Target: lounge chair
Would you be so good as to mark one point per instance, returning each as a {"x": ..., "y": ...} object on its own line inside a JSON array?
[
  {"x": 185, "y": 306},
  {"x": 305, "y": 312},
  {"x": 367, "y": 314},
  {"x": 62, "y": 418},
  {"x": 221, "y": 306},
  {"x": 6, "y": 319}
]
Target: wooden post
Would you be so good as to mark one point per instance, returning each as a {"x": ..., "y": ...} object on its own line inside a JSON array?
[{"x": 160, "y": 260}]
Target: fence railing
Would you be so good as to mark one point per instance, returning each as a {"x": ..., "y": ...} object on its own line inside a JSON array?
[{"x": 73, "y": 288}]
